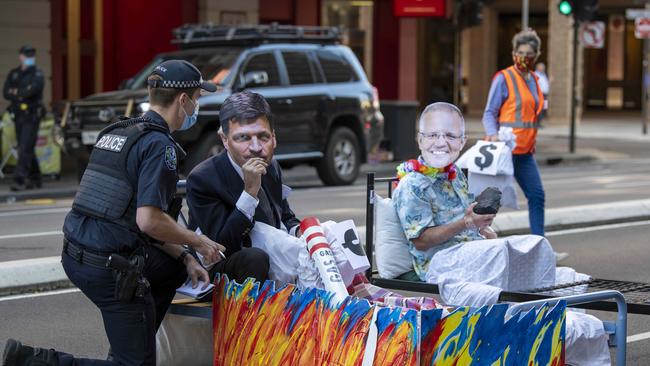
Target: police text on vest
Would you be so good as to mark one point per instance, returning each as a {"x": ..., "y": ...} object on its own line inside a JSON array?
[{"x": 111, "y": 143}]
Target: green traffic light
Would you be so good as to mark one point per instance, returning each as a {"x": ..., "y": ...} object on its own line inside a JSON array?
[{"x": 565, "y": 7}]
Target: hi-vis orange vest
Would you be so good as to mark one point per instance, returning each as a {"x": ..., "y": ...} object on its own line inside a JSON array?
[{"x": 519, "y": 111}]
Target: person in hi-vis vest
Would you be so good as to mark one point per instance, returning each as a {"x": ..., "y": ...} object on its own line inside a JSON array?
[{"x": 516, "y": 100}]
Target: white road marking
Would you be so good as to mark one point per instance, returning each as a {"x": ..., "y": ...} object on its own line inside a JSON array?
[
  {"x": 34, "y": 212},
  {"x": 638, "y": 337},
  {"x": 596, "y": 228},
  {"x": 31, "y": 235},
  {"x": 40, "y": 294}
]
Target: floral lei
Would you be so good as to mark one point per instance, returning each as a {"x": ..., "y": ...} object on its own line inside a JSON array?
[{"x": 418, "y": 165}]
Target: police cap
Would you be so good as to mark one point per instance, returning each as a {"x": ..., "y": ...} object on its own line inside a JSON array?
[
  {"x": 27, "y": 50},
  {"x": 179, "y": 74}
]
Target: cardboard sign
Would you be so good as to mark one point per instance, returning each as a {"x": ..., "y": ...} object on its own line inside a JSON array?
[
  {"x": 484, "y": 156},
  {"x": 345, "y": 233}
]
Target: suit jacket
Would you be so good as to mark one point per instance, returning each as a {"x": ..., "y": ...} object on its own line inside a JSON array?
[{"x": 213, "y": 188}]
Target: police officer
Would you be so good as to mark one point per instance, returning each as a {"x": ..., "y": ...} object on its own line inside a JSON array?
[
  {"x": 24, "y": 91},
  {"x": 118, "y": 224}
]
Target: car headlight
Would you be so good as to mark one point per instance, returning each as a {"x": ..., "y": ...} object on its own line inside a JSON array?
[{"x": 144, "y": 106}]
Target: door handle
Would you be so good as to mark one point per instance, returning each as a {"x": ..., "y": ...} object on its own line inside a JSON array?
[{"x": 287, "y": 101}]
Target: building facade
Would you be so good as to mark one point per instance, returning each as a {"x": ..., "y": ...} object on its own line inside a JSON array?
[{"x": 89, "y": 46}]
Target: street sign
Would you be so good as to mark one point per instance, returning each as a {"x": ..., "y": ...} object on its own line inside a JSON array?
[
  {"x": 592, "y": 34},
  {"x": 419, "y": 8},
  {"x": 642, "y": 28},
  {"x": 637, "y": 13}
]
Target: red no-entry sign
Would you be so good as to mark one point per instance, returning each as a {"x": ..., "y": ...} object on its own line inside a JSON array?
[
  {"x": 592, "y": 35},
  {"x": 642, "y": 27}
]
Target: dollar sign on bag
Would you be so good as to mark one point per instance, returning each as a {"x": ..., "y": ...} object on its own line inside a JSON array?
[{"x": 482, "y": 164}]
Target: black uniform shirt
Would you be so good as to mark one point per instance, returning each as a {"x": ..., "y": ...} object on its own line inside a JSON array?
[
  {"x": 29, "y": 86},
  {"x": 151, "y": 167}
]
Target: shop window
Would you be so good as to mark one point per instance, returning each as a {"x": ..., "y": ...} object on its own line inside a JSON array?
[{"x": 355, "y": 19}]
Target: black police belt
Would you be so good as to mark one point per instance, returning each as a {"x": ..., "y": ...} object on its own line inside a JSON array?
[
  {"x": 129, "y": 279},
  {"x": 84, "y": 256}
]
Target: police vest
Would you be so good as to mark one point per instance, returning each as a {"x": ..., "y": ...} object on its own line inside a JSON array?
[
  {"x": 519, "y": 110},
  {"x": 105, "y": 191}
]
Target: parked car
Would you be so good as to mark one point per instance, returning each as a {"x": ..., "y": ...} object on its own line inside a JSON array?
[{"x": 326, "y": 113}]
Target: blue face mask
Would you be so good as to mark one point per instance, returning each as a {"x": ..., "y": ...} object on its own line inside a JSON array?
[
  {"x": 29, "y": 61},
  {"x": 190, "y": 120}
]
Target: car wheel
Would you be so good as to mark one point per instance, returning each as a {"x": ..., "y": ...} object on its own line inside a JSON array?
[
  {"x": 342, "y": 160},
  {"x": 208, "y": 145}
]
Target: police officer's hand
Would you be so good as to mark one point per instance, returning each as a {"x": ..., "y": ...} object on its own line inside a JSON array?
[
  {"x": 493, "y": 138},
  {"x": 196, "y": 272},
  {"x": 476, "y": 221},
  {"x": 209, "y": 249},
  {"x": 253, "y": 170}
]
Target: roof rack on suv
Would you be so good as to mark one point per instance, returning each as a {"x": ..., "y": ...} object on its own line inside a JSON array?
[{"x": 193, "y": 35}]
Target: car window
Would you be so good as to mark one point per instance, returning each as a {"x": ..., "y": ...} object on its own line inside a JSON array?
[
  {"x": 298, "y": 67},
  {"x": 335, "y": 67},
  {"x": 264, "y": 62},
  {"x": 214, "y": 66}
]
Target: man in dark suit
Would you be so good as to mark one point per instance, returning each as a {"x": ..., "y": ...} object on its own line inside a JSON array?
[{"x": 228, "y": 193}]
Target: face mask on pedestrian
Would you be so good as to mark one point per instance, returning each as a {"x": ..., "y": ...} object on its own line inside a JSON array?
[
  {"x": 523, "y": 63},
  {"x": 190, "y": 120},
  {"x": 29, "y": 61}
]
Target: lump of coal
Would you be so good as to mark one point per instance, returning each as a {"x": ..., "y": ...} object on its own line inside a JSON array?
[{"x": 488, "y": 202}]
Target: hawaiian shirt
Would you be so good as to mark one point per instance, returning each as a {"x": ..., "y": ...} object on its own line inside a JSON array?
[{"x": 422, "y": 202}]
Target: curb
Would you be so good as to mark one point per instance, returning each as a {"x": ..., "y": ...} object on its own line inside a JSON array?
[
  {"x": 42, "y": 274},
  {"x": 512, "y": 223},
  {"x": 30, "y": 275}
]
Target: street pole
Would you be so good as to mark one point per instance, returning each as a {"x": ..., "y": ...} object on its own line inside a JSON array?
[
  {"x": 524, "y": 14},
  {"x": 457, "y": 69},
  {"x": 645, "y": 81},
  {"x": 574, "y": 78},
  {"x": 645, "y": 85}
]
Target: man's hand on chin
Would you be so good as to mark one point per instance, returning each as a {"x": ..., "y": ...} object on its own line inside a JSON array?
[{"x": 253, "y": 170}]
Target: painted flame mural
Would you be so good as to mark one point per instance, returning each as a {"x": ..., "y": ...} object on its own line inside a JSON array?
[{"x": 256, "y": 324}]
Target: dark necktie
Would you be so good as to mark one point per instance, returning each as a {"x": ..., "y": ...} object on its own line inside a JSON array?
[{"x": 265, "y": 206}]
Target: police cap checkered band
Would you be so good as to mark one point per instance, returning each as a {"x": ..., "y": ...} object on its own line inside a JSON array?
[{"x": 179, "y": 74}]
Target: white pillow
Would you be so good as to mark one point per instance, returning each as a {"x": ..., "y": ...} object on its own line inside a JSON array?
[{"x": 391, "y": 246}]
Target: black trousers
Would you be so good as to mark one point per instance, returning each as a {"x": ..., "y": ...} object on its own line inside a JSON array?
[
  {"x": 130, "y": 328},
  {"x": 26, "y": 134},
  {"x": 248, "y": 262}
]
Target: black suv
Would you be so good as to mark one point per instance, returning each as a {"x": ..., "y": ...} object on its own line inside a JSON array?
[{"x": 326, "y": 113}]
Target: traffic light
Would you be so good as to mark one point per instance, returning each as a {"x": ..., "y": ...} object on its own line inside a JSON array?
[
  {"x": 581, "y": 10},
  {"x": 586, "y": 9},
  {"x": 565, "y": 7},
  {"x": 470, "y": 12}
]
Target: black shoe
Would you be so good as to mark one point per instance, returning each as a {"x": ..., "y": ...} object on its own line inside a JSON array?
[
  {"x": 34, "y": 184},
  {"x": 18, "y": 187},
  {"x": 16, "y": 354}
]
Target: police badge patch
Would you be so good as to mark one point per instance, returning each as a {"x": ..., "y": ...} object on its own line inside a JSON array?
[{"x": 170, "y": 157}]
